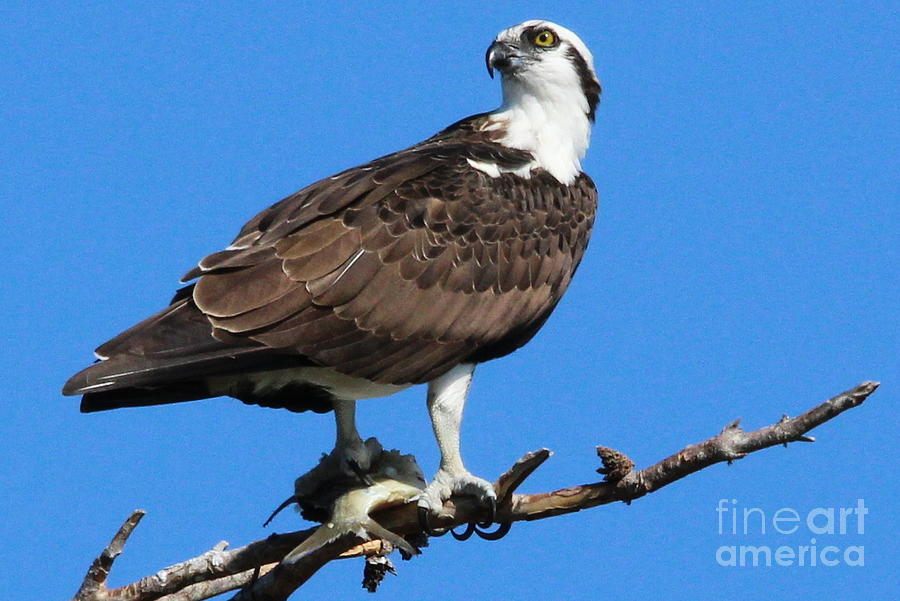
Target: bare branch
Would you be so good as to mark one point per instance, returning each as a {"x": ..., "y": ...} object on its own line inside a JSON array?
[
  {"x": 288, "y": 576},
  {"x": 97, "y": 575},
  {"x": 258, "y": 569},
  {"x": 730, "y": 444},
  {"x": 212, "y": 588},
  {"x": 213, "y": 565}
]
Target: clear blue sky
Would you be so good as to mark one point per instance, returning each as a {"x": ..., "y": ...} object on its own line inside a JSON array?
[{"x": 744, "y": 263}]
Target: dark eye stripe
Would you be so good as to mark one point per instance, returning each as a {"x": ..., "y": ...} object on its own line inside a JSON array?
[
  {"x": 530, "y": 34},
  {"x": 589, "y": 86}
]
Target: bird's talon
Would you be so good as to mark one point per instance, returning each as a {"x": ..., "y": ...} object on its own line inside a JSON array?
[
  {"x": 353, "y": 464},
  {"x": 492, "y": 513},
  {"x": 465, "y": 534},
  {"x": 501, "y": 531},
  {"x": 425, "y": 523},
  {"x": 445, "y": 485}
]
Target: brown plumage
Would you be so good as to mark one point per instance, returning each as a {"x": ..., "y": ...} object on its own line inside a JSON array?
[{"x": 394, "y": 271}]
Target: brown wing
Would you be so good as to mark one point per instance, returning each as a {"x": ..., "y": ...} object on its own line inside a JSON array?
[{"x": 398, "y": 270}]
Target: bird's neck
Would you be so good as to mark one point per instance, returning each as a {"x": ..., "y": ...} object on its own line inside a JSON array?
[{"x": 549, "y": 121}]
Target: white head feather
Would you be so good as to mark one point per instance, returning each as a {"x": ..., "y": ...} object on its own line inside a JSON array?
[{"x": 546, "y": 108}]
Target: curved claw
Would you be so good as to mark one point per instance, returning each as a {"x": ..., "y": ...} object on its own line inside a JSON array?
[
  {"x": 465, "y": 534},
  {"x": 492, "y": 513},
  {"x": 363, "y": 476},
  {"x": 425, "y": 523},
  {"x": 501, "y": 531},
  {"x": 479, "y": 527}
]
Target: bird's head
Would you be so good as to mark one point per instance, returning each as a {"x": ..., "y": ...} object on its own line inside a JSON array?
[{"x": 544, "y": 60}]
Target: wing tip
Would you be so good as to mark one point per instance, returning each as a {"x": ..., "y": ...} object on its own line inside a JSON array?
[
  {"x": 78, "y": 384},
  {"x": 74, "y": 384}
]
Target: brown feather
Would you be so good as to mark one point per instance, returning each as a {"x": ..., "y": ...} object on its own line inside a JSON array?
[
  {"x": 325, "y": 260},
  {"x": 228, "y": 293},
  {"x": 351, "y": 278},
  {"x": 317, "y": 236},
  {"x": 279, "y": 309},
  {"x": 394, "y": 271}
]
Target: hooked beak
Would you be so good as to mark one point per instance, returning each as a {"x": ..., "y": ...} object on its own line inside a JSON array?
[{"x": 499, "y": 55}]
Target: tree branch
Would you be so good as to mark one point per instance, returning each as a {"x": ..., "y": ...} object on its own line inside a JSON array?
[
  {"x": 95, "y": 581},
  {"x": 730, "y": 444},
  {"x": 257, "y": 568}
]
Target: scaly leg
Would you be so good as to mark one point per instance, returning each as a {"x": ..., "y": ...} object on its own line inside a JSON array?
[
  {"x": 351, "y": 455},
  {"x": 446, "y": 399},
  {"x": 354, "y": 453}
]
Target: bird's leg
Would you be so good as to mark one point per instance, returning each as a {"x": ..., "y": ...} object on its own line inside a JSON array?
[
  {"x": 446, "y": 399},
  {"x": 352, "y": 451},
  {"x": 350, "y": 456}
]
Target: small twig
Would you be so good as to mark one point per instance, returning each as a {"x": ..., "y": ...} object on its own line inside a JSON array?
[
  {"x": 97, "y": 575},
  {"x": 507, "y": 484}
]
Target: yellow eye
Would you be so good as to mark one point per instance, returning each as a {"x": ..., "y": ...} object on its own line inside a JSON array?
[{"x": 544, "y": 38}]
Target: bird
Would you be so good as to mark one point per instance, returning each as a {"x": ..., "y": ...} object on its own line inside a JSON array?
[{"x": 410, "y": 269}]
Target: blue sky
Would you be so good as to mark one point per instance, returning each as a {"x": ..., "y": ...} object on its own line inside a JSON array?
[{"x": 744, "y": 263}]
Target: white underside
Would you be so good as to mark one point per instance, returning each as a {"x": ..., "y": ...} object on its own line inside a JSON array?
[{"x": 340, "y": 385}]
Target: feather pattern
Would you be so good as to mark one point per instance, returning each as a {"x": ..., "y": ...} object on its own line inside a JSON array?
[{"x": 394, "y": 271}]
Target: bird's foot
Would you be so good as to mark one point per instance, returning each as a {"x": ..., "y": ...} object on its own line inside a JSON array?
[
  {"x": 353, "y": 459},
  {"x": 446, "y": 484}
]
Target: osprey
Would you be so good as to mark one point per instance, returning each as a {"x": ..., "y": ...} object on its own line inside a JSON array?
[{"x": 410, "y": 269}]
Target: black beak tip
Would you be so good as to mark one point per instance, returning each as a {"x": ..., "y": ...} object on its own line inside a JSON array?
[
  {"x": 499, "y": 56},
  {"x": 487, "y": 60}
]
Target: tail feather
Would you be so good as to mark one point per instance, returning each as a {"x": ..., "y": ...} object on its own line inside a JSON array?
[
  {"x": 168, "y": 358},
  {"x": 127, "y": 371},
  {"x": 144, "y": 397}
]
